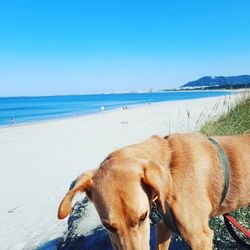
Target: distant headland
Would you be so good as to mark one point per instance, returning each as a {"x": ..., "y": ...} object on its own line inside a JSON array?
[{"x": 219, "y": 82}]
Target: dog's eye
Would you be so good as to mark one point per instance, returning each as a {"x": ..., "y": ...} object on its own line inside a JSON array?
[
  {"x": 143, "y": 217},
  {"x": 109, "y": 227}
]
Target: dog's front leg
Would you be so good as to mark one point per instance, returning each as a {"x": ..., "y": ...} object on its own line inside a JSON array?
[
  {"x": 163, "y": 236},
  {"x": 198, "y": 234}
]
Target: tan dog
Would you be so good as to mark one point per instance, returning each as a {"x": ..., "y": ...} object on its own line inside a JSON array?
[{"x": 183, "y": 169}]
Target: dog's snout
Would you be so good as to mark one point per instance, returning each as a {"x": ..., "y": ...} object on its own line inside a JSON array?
[{"x": 130, "y": 240}]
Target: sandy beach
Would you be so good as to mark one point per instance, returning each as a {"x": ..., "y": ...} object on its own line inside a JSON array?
[{"x": 38, "y": 161}]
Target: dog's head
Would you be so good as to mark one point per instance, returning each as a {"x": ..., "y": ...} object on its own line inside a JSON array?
[{"x": 122, "y": 190}]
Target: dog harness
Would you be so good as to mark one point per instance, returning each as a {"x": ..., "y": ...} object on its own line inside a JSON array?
[
  {"x": 157, "y": 214},
  {"x": 228, "y": 219}
]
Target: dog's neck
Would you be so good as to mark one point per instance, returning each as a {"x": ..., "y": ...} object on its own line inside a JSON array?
[{"x": 159, "y": 151}]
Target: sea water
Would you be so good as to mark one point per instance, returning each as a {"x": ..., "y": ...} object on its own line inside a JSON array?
[{"x": 15, "y": 110}]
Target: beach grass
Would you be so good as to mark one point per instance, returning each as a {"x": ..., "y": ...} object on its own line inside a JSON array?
[{"x": 235, "y": 121}]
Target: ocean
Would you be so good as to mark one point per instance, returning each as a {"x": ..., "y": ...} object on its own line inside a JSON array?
[{"x": 17, "y": 110}]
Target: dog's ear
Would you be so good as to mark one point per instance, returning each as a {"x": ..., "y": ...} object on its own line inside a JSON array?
[
  {"x": 81, "y": 184},
  {"x": 158, "y": 179}
]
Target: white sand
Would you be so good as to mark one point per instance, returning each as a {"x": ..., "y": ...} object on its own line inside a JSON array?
[{"x": 39, "y": 161}]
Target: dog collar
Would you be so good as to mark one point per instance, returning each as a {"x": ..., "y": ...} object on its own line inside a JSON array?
[{"x": 225, "y": 166}]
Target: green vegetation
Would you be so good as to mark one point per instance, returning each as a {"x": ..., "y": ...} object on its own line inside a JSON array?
[{"x": 234, "y": 122}]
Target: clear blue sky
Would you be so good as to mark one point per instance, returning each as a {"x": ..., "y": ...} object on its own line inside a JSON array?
[{"x": 74, "y": 47}]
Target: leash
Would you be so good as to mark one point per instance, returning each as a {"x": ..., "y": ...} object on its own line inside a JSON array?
[
  {"x": 233, "y": 221},
  {"x": 229, "y": 220}
]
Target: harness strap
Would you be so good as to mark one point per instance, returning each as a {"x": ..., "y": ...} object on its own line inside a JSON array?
[
  {"x": 169, "y": 220},
  {"x": 225, "y": 166},
  {"x": 157, "y": 215}
]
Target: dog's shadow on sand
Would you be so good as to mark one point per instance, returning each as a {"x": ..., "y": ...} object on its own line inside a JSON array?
[{"x": 96, "y": 238}]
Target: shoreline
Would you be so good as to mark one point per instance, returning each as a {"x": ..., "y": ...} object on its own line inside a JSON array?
[
  {"x": 132, "y": 106},
  {"x": 119, "y": 93},
  {"x": 135, "y": 92}
]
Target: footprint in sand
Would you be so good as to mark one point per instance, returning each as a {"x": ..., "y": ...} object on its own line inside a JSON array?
[{"x": 13, "y": 210}]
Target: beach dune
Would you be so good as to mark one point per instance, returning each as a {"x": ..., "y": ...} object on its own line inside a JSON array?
[{"x": 38, "y": 161}]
